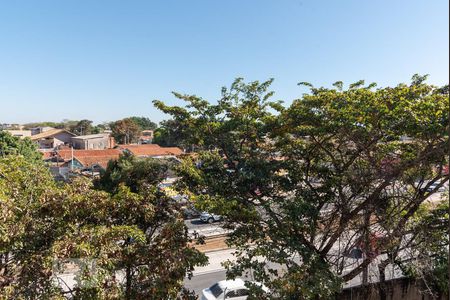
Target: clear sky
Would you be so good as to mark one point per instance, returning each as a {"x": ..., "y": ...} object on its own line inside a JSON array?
[{"x": 105, "y": 60}]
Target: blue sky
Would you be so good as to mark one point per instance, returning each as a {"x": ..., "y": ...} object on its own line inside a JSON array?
[{"x": 105, "y": 60}]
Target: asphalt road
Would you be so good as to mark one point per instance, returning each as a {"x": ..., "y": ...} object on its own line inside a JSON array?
[
  {"x": 204, "y": 228},
  {"x": 202, "y": 281}
]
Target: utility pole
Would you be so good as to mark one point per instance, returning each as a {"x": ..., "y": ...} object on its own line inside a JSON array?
[{"x": 71, "y": 161}]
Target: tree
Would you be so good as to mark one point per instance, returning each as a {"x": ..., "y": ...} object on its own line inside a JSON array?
[
  {"x": 302, "y": 186},
  {"x": 11, "y": 145},
  {"x": 144, "y": 123},
  {"x": 66, "y": 124},
  {"x": 138, "y": 241},
  {"x": 170, "y": 134},
  {"x": 430, "y": 242},
  {"x": 133, "y": 172},
  {"x": 82, "y": 127},
  {"x": 26, "y": 233},
  {"x": 125, "y": 131},
  {"x": 140, "y": 237},
  {"x": 158, "y": 262},
  {"x": 41, "y": 124}
]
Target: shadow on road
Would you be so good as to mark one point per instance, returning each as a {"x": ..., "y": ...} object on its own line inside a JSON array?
[{"x": 197, "y": 222}]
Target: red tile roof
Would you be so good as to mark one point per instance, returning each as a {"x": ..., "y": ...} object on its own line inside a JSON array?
[
  {"x": 89, "y": 161},
  {"x": 66, "y": 154},
  {"x": 152, "y": 150},
  {"x": 46, "y": 154}
]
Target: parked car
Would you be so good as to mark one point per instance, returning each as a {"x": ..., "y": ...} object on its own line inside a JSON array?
[
  {"x": 229, "y": 289},
  {"x": 209, "y": 218}
]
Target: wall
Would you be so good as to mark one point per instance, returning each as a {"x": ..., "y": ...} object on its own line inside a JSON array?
[
  {"x": 397, "y": 289},
  {"x": 20, "y": 133},
  {"x": 94, "y": 143}
]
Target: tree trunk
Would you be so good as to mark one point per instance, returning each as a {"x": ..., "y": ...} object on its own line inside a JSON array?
[
  {"x": 366, "y": 247},
  {"x": 128, "y": 283},
  {"x": 382, "y": 288}
]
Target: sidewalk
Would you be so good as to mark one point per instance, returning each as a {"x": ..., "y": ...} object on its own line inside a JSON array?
[
  {"x": 213, "y": 243},
  {"x": 215, "y": 259}
]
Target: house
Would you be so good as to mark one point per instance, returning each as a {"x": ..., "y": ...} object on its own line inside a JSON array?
[
  {"x": 152, "y": 150},
  {"x": 52, "y": 138},
  {"x": 92, "y": 141},
  {"x": 20, "y": 133},
  {"x": 41, "y": 129},
  {"x": 146, "y": 137},
  {"x": 86, "y": 159}
]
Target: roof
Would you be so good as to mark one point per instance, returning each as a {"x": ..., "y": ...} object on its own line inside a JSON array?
[
  {"x": 88, "y": 161},
  {"x": 236, "y": 283},
  {"x": 91, "y": 136},
  {"x": 46, "y": 154},
  {"x": 66, "y": 154},
  {"x": 152, "y": 150},
  {"x": 49, "y": 133}
]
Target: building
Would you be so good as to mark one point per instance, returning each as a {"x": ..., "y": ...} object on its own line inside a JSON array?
[
  {"x": 146, "y": 137},
  {"x": 86, "y": 159},
  {"x": 5, "y": 126},
  {"x": 152, "y": 150},
  {"x": 19, "y": 133},
  {"x": 52, "y": 138},
  {"x": 92, "y": 141},
  {"x": 37, "y": 130}
]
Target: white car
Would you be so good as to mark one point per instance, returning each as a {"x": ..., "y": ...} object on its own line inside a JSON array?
[
  {"x": 209, "y": 218},
  {"x": 229, "y": 289}
]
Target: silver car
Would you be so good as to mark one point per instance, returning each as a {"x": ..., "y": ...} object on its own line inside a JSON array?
[{"x": 209, "y": 218}]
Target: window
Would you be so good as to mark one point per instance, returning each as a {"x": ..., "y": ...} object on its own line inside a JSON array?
[
  {"x": 237, "y": 293},
  {"x": 216, "y": 290},
  {"x": 242, "y": 292}
]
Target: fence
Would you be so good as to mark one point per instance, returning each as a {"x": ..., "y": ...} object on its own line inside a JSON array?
[{"x": 396, "y": 289}]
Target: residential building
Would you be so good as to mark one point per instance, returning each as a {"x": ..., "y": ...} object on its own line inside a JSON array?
[
  {"x": 93, "y": 141},
  {"x": 146, "y": 137},
  {"x": 41, "y": 129},
  {"x": 19, "y": 133},
  {"x": 52, "y": 138},
  {"x": 86, "y": 159}
]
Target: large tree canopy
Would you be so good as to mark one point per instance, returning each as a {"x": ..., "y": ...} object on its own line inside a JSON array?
[
  {"x": 137, "y": 243},
  {"x": 304, "y": 185},
  {"x": 144, "y": 123},
  {"x": 125, "y": 131},
  {"x": 136, "y": 173}
]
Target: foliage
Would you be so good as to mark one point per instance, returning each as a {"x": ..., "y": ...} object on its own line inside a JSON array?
[
  {"x": 138, "y": 237},
  {"x": 82, "y": 127},
  {"x": 26, "y": 235},
  {"x": 133, "y": 172},
  {"x": 144, "y": 123},
  {"x": 429, "y": 255},
  {"x": 28, "y": 126},
  {"x": 302, "y": 186},
  {"x": 13, "y": 145},
  {"x": 125, "y": 131},
  {"x": 169, "y": 134}
]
